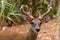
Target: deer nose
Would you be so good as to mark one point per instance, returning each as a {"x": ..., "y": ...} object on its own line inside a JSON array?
[{"x": 37, "y": 30}]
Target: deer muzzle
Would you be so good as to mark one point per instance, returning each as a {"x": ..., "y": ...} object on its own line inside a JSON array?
[{"x": 37, "y": 28}]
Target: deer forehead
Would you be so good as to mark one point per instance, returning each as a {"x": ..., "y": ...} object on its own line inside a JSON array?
[{"x": 36, "y": 21}]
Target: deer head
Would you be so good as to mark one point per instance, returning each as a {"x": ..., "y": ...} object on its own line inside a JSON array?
[{"x": 35, "y": 22}]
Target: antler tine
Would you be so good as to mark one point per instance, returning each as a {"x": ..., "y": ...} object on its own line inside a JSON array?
[
  {"x": 39, "y": 12},
  {"x": 27, "y": 12},
  {"x": 46, "y": 13}
]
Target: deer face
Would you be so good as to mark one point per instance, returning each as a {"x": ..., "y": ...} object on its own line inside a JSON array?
[{"x": 36, "y": 23}]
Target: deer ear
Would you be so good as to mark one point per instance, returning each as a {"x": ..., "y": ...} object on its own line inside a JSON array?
[
  {"x": 26, "y": 18},
  {"x": 46, "y": 19}
]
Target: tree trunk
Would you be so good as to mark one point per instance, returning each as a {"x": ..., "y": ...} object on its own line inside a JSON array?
[{"x": 58, "y": 14}]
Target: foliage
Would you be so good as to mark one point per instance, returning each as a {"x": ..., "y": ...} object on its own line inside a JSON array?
[{"x": 9, "y": 10}]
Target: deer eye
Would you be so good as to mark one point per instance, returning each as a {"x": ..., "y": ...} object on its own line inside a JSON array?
[
  {"x": 40, "y": 23},
  {"x": 32, "y": 22}
]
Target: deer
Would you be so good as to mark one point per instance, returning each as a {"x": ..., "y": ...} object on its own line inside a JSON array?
[{"x": 34, "y": 21}]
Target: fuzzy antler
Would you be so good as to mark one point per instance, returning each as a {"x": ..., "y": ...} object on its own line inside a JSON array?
[{"x": 46, "y": 13}]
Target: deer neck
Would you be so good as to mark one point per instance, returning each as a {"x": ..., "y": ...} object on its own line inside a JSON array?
[{"x": 31, "y": 35}]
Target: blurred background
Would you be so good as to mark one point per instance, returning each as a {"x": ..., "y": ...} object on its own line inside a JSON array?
[{"x": 10, "y": 13}]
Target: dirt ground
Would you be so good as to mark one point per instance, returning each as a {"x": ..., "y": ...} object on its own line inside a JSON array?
[{"x": 48, "y": 31}]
